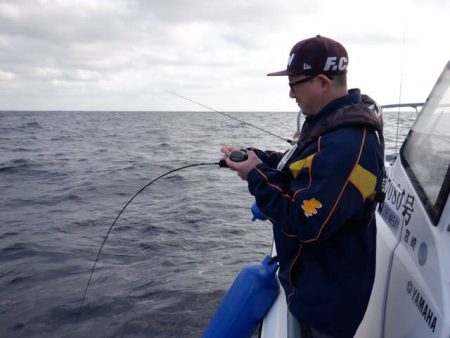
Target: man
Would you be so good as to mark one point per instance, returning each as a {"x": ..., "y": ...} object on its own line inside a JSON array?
[{"x": 321, "y": 195}]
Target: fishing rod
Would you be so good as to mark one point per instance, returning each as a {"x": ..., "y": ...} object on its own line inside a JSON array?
[
  {"x": 231, "y": 117},
  {"x": 123, "y": 209},
  {"x": 235, "y": 156}
]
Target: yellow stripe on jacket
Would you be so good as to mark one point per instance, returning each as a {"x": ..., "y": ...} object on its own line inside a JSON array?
[
  {"x": 297, "y": 166},
  {"x": 363, "y": 180}
]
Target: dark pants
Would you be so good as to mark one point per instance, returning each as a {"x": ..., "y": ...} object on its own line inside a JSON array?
[{"x": 297, "y": 329}]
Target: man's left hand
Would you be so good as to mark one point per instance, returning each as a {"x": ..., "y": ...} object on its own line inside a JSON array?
[{"x": 243, "y": 168}]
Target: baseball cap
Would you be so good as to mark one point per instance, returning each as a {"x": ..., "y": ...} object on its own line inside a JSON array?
[{"x": 314, "y": 56}]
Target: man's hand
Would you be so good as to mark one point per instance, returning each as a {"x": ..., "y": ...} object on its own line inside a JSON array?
[
  {"x": 242, "y": 168},
  {"x": 226, "y": 150}
]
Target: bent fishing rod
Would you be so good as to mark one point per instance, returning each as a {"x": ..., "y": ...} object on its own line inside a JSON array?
[
  {"x": 231, "y": 117},
  {"x": 235, "y": 156}
]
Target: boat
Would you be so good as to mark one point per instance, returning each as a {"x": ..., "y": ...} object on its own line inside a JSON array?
[{"x": 411, "y": 292}]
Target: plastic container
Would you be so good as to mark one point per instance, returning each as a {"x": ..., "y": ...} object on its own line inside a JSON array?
[
  {"x": 246, "y": 303},
  {"x": 257, "y": 214}
]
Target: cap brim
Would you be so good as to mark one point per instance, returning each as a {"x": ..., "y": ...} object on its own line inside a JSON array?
[{"x": 280, "y": 73}]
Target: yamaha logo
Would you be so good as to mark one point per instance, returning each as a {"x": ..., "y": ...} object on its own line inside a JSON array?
[
  {"x": 424, "y": 308},
  {"x": 409, "y": 287}
]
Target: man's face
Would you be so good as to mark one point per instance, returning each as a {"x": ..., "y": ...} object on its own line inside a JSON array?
[{"x": 302, "y": 89}]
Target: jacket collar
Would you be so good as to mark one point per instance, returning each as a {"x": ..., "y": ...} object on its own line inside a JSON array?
[{"x": 353, "y": 96}]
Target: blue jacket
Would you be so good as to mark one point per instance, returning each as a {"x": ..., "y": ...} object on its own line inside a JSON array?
[{"x": 318, "y": 205}]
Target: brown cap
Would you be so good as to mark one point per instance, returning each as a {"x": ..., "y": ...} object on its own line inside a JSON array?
[{"x": 317, "y": 55}]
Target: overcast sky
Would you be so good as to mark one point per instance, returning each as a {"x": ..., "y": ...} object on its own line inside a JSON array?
[{"x": 126, "y": 54}]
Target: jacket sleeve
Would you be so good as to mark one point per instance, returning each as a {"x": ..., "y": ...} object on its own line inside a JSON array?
[
  {"x": 271, "y": 158},
  {"x": 319, "y": 200}
]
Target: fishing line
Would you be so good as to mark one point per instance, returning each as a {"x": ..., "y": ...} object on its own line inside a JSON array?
[
  {"x": 221, "y": 164},
  {"x": 231, "y": 117}
]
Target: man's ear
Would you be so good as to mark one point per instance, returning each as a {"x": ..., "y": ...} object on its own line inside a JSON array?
[{"x": 324, "y": 80}]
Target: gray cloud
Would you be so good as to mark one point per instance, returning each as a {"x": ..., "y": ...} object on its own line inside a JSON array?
[
  {"x": 93, "y": 50},
  {"x": 54, "y": 46}
]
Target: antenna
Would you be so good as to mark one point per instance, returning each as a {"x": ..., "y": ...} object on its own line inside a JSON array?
[{"x": 401, "y": 87}]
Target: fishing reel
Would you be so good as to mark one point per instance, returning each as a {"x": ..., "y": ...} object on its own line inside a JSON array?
[{"x": 235, "y": 156}]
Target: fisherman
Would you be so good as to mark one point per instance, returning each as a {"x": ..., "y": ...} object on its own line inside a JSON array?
[{"x": 321, "y": 195}]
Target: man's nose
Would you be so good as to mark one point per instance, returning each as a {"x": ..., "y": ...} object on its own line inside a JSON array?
[{"x": 291, "y": 93}]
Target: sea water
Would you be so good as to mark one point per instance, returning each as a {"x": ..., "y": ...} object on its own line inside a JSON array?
[{"x": 173, "y": 253}]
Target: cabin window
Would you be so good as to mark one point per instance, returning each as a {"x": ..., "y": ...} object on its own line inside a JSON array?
[{"x": 426, "y": 151}]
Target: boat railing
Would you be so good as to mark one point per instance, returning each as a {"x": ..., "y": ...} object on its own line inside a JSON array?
[
  {"x": 396, "y": 127},
  {"x": 403, "y": 105}
]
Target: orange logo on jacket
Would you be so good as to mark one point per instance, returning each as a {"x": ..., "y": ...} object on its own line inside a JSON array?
[{"x": 310, "y": 206}]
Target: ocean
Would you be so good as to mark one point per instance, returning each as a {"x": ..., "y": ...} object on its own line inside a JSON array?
[{"x": 175, "y": 250}]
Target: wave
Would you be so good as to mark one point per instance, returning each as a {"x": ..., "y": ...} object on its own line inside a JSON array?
[
  {"x": 31, "y": 125},
  {"x": 16, "y": 165}
]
